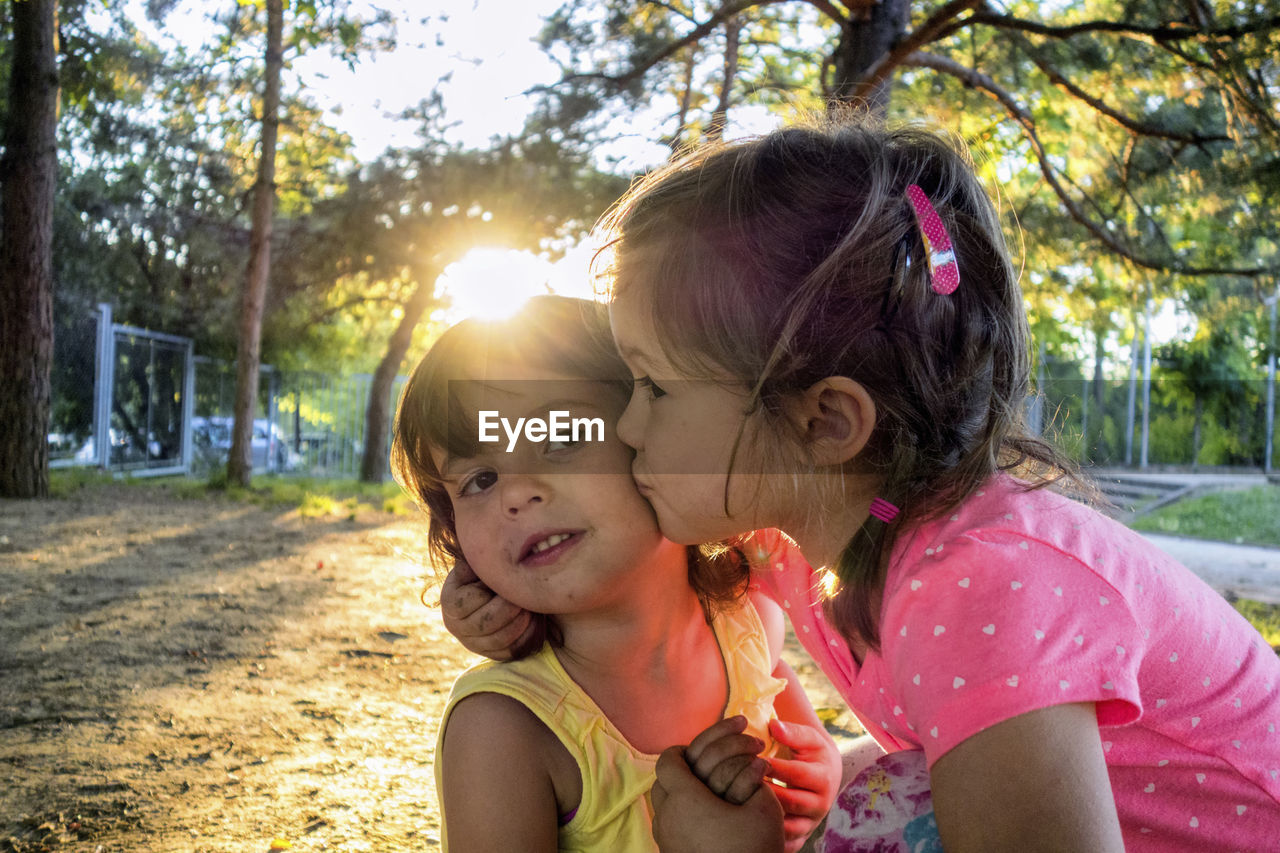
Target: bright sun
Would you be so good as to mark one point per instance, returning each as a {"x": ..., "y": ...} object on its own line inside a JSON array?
[{"x": 492, "y": 283}]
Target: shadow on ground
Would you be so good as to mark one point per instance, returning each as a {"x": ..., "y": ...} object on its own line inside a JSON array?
[{"x": 194, "y": 675}]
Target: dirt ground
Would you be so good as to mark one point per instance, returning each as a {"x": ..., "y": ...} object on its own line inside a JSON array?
[{"x": 202, "y": 675}]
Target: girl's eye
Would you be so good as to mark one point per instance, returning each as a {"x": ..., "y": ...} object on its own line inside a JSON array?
[
  {"x": 648, "y": 384},
  {"x": 557, "y": 447},
  {"x": 477, "y": 483}
]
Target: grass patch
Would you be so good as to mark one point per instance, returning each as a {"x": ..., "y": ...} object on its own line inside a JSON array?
[
  {"x": 1264, "y": 617},
  {"x": 320, "y": 498},
  {"x": 313, "y": 497},
  {"x": 65, "y": 482},
  {"x": 1242, "y": 516}
]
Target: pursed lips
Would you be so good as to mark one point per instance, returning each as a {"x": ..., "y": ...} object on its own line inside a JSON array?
[{"x": 643, "y": 487}]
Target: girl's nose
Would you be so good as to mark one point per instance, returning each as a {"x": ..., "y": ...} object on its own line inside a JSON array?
[
  {"x": 630, "y": 425},
  {"x": 520, "y": 493}
]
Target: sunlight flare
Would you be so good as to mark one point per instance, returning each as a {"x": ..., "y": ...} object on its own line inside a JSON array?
[{"x": 491, "y": 283}]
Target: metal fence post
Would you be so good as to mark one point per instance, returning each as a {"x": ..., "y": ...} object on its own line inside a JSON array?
[
  {"x": 104, "y": 385},
  {"x": 271, "y": 459},
  {"x": 188, "y": 407},
  {"x": 1133, "y": 395},
  {"x": 1271, "y": 381},
  {"x": 1084, "y": 421},
  {"x": 1146, "y": 384}
]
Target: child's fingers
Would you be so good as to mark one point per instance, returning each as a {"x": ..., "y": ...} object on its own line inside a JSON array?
[
  {"x": 737, "y": 779},
  {"x": 461, "y": 573},
  {"x": 796, "y": 831},
  {"x": 804, "y": 775},
  {"x": 740, "y": 748},
  {"x": 462, "y": 593},
  {"x": 493, "y": 630},
  {"x": 801, "y": 804},
  {"x": 798, "y": 737},
  {"x": 499, "y": 642},
  {"x": 688, "y": 817},
  {"x": 670, "y": 766},
  {"x": 531, "y": 638},
  {"x": 711, "y": 734}
]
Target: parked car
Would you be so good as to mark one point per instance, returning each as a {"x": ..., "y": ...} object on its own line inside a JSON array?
[
  {"x": 124, "y": 449},
  {"x": 269, "y": 447}
]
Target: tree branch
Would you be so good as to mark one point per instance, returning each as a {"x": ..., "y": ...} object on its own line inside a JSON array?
[
  {"x": 638, "y": 70},
  {"x": 942, "y": 19},
  {"x": 322, "y": 316},
  {"x": 837, "y": 15},
  {"x": 1165, "y": 33},
  {"x": 986, "y": 84},
  {"x": 673, "y": 10},
  {"x": 1141, "y": 128}
]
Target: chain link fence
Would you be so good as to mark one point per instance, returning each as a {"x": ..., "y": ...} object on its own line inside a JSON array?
[
  {"x": 128, "y": 399},
  {"x": 132, "y": 400},
  {"x": 1167, "y": 421},
  {"x": 308, "y": 423}
]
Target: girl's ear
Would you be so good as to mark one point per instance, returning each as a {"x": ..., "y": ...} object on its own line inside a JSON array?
[{"x": 836, "y": 416}]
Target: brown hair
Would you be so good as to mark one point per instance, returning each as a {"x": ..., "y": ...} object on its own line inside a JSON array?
[
  {"x": 796, "y": 256},
  {"x": 560, "y": 334}
]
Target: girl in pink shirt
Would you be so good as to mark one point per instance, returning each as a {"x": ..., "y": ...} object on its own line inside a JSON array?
[{"x": 829, "y": 339}]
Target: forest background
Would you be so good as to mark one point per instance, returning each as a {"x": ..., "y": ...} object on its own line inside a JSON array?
[{"x": 201, "y": 188}]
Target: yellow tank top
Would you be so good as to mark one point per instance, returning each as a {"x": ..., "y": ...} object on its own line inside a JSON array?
[{"x": 615, "y": 814}]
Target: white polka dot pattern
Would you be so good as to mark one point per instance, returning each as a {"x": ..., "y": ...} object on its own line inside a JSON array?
[{"x": 1019, "y": 601}]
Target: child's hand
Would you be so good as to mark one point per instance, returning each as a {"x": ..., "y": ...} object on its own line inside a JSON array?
[
  {"x": 811, "y": 774},
  {"x": 483, "y": 622},
  {"x": 689, "y": 818},
  {"x": 725, "y": 759}
]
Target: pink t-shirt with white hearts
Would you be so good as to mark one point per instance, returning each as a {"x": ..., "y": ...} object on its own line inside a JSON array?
[{"x": 1026, "y": 599}]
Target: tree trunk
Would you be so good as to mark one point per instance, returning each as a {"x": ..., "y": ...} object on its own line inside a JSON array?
[
  {"x": 248, "y": 352},
  {"x": 373, "y": 465},
  {"x": 28, "y": 173},
  {"x": 720, "y": 117},
  {"x": 863, "y": 41}
]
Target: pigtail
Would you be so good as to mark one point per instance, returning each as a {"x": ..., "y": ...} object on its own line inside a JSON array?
[
  {"x": 719, "y": 573},
  {"x": 860, "y": 571}
]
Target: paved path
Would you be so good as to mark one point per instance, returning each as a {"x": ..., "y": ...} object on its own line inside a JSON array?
[{"x": 1247, "y": 571}]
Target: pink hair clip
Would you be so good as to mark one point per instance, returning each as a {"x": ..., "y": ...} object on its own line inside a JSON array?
[
  {"x": 883, "y": 510},
  {"x": 944, "y": 272}
]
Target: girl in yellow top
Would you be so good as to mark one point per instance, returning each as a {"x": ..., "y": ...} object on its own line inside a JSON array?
[{"x": 505, "y": 435}]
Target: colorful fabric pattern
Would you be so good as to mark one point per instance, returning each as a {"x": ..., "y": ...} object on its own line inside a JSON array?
[{"x": 887, "y": 808}]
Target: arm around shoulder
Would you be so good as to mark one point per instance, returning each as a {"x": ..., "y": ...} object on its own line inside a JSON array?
[
  {"x": 1035, "y": 782},
  {"x": 498, "y": 769}
]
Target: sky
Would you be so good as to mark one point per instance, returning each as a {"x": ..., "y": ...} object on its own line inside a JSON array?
[
  {"x": 487, "y": 50},
  {"x": 487, "y": 47},
  {"x": 486, "y": 44}
]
